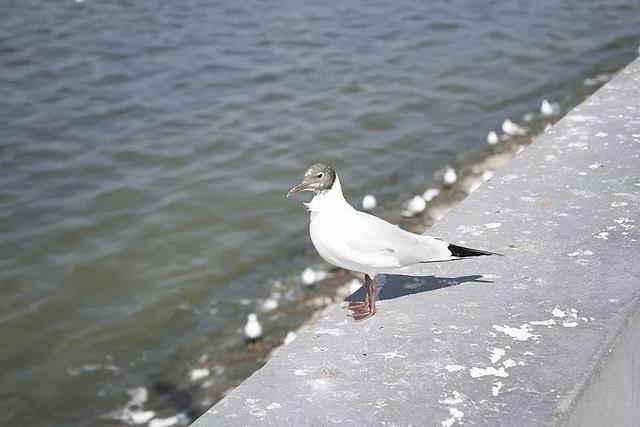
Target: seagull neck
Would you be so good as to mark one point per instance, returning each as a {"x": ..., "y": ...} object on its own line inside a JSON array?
[{"x": 328, "y": 199}]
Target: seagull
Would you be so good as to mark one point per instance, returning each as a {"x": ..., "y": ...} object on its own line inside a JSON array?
[
  {"x": 369, "y": 202},
  {"x": 449, "y": 177},
  {"x": 358, "y": 241},
  {"x": 513, "y": 129},
  {"x": 548, "y": 109},
  {"x": 492, "y": 138},
  {"x": 252, "y": 329}
]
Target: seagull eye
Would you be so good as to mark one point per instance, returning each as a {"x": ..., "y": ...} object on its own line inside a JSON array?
[{"x": 320, "y": 175}]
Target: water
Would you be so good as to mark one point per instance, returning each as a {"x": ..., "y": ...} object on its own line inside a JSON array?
[{"x": 146, "y": 147}]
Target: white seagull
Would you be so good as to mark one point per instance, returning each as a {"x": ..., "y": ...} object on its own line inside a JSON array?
[
  {"x": 513, "y": 129},
  {"x": 361, "y": 242},
  {"x": 252, "y": 329}
]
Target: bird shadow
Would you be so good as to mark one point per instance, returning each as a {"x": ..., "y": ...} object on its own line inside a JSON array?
[{"x": 396, "y": 286}]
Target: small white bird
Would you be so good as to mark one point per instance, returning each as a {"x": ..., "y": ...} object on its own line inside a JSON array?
[
  {"x": 369, "y": 202},
  {"x": 492, "y": 138},
  {"x": 270, "y": 304},
  {"x": 198, "y": 373},
  {"x": 548, "y": 109},
  {"x": 358, "y": 241},
  {"x": 430, "y": 193},
  {"x": 513, "y": 129},
  {"x": 450, "y": 176},
  {"x": 416, "y": 205},
  {"x": 310, "y": 276},
  {"x": 252, "y": 329}
]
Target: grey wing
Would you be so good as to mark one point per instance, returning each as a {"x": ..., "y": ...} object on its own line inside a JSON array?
[{"x": 376, "y": 236}]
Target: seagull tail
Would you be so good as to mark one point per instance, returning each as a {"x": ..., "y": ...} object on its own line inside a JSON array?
[{"x": 462, "y": 252}]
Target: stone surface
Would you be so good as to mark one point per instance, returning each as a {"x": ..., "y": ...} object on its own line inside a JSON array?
[{"x": 541, "y": 336}]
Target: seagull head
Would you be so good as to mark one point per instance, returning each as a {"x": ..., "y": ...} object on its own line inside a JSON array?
[{"x": 317, "y": 178}]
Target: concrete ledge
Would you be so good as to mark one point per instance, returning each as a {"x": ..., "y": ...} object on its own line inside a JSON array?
[{"x": 548, "y": 334}]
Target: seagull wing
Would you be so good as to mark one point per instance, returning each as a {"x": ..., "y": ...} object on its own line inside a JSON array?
[{"x": 377, "y": 239}]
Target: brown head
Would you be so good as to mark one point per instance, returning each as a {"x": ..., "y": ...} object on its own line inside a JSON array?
[{"x": 317, "y": 178}]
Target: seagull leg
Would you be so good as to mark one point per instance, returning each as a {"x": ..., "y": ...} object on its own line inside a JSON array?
[
  {"x": 367, "y": 309},
  {"x": 373, "y": 295},
  {"x": 360, "y": 304}
]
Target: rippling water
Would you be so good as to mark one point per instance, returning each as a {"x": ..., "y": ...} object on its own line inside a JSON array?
[{"x": 146, "y": 147}]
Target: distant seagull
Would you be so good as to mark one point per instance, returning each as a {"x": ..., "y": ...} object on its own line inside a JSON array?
[
  {"x": 548, "y": 109},
  {"x": 252, "y": 329},
  {"x": 362, "y": 242},
  {"x": 310, "y": 276},
  {"x": 513, "y": 129},
  {"x": 492, "y": 138},
  {"x": 430, "y": 193},
  {"x": 416, "y": 205},
  {"x": 450, "y": 176},
  {"x": 369, "y": 202},
  {"x": 270, "y": 304}
]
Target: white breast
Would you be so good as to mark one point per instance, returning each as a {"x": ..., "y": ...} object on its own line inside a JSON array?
[
  {"x": 326, "y": 234},
  {"x": 339, "y": 234}
]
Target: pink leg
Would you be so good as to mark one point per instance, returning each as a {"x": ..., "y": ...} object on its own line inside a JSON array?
[{"x": 367, "y": 309}]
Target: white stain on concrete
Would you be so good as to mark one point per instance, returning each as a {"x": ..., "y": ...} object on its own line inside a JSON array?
[
  {"x": 455, "y": 416},
  {"x": 509, "y": 363},
  {"x": 522, "y": 333},
  {"x": 558, "y": 313},
  {"x": 474, "y": 230},
  {"x": 580, "y": 252},
  {"x": 457, "y": 398},
  {"x": 455, "y": 368},
  {"x": 491, "y": 225},
  {"x": 477, "y": 372},
  {"x": 497, "y": 354},
  {"x": 570, "y": 324},
  {"x": 495, "y": 389},
  {"x": 549, "y": 322},
  {"x": 336, "y": 332},
  {"x": 390, "y": 355}
]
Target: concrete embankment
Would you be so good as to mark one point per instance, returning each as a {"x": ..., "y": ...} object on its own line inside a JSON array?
[{"x": 548, "y": 334}]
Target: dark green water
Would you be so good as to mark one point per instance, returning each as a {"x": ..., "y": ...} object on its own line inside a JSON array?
[{"x": 146, "y": 147}]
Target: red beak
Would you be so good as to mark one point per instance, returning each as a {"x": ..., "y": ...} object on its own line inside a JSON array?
[{"x": 298, "y": 188}]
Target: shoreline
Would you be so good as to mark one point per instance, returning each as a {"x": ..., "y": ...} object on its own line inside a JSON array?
[
  {"x": 214, "y": 365},
  {"x": 437, "y": 354}
]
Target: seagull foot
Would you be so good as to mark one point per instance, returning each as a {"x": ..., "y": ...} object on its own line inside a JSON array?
[
  {"x": 360, "y": 311},
  {"x": 366, "y": 309},
  {"x": 362, "y": 315}
]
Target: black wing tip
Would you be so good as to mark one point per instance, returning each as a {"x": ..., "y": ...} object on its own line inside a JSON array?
[{"x": 462, "y": 252}]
